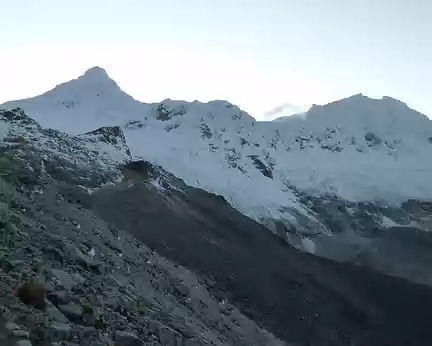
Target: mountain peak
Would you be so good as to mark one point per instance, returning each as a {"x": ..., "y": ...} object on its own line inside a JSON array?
[
  {"x": 80, "y": 105},
  {"x": 96, "y": 71},
  {"x": 96, "y": 75},
  {"x": 361, "y": 99}
]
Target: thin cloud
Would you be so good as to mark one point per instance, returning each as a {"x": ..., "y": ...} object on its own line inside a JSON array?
[{"x": 285, "y": 109}]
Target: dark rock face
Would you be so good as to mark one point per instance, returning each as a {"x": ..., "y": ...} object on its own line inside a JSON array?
[
  {"x": 110, "y": 135},
  {"x": 206, "y": 131},
  {"x": 266, "y": 171},
  {"x": 144, "y": 168},
  {"x": 361, "y": 234},
  {"x": 164, "y": 113},
  {"x": 17, "y": 115},
  {"x": 372, "y": 139}
]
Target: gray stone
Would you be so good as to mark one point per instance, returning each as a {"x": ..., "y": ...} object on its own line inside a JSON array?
[
  {"x": 89, "y": 332},
  {"x": 5, "y": 264},
  {"x": 11, "y": 326},
  {"x": 23, "y": 343},
  {"x": 18, "y": 264},
  {"x": 182, "y": 329},
  {"x": 20, "y": 334},
  {"x": 60, "y": 331},
  {"x": 78, "y": 278},
  {"x": 127, "y": 339},
  {"x": 192, "y": 342},
  {"x": 88, "y": 319},
  {"x": 154, "y": 326},
  {"x": 15, "y": 275},
  {"x": 65, "y": 279},
  {"x": 58, "y": 298},
  {"x": 181, "y": 289},
  {"x": 54, "y": 314},
  {"x": 5, "y": 314},
  {"x": 76, "y": 334},
  {"x": 167, "y": 336},
  {"x": 72, "y": 311}
]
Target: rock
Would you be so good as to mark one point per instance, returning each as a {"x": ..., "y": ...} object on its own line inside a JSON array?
[
  {"x": 192, "y": 342},
  {"x": 11, "y": 326},
  {"x": 5, "y": 314},
  {"x": 58, "y": 298},
  {"x": 89, "y": 332},
  {"x": 78, "y": 278},
  {"x": 60, "y": 331},
  {"x": 99, "y": 323},
  {"x": 154, "y": 326},
  {"x": 183, "y": 330},
  {"x": 127, "y": 339},
  {"x": 72, "y": 311},
  {"x": 181, "y": 289},
  {"x": 88, "y": 319},
  {"x": 4, "y": 214},
  {"x": 12, "y": 229},
  {"x": 54, "y": 314},
  {"x": 88, "y": 309},
  {"x": 76, "y": 334},
  {"x": 5, "y": 265},
  {"x": 15, "y": 275},
  {"x": 53, "y": 253},
  {"x": 65, "y": 279},
  {"x": 20, "y": 334},
  {"x": 23, "y": 343},
  {"x": 167, "y": 336},
  {"x": 37, "y": 266}
]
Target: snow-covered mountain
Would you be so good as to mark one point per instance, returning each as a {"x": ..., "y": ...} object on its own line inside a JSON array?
[
  {"x": 123, "y": 250},
  {"x": 356, "y": 151},
  {"x": 93, "y": 100}
]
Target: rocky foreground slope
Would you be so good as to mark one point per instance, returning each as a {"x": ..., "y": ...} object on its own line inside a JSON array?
[
  {"x": 68, "y": 277},
  {"x": 97, "y": 249}
]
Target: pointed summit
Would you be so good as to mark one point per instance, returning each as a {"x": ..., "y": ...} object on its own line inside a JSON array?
[
  {"x": 96, "y": 71},
  {"x": 97, "y": 76},
  {"x": 80, "y": 105}
]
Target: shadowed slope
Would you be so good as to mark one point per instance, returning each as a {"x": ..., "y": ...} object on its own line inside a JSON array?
[{"x": 303, "y": 299}]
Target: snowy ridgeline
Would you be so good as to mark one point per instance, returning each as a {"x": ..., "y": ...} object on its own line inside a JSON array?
[{"x": 358, "y": 148}]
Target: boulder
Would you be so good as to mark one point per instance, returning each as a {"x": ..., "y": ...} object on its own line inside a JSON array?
[
  {"x": 127, "y": 339},
  {"x": 72, "y": 311}
]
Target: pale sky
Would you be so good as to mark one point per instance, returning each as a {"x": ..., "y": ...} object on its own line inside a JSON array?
[{"x": 258, "y": 54}]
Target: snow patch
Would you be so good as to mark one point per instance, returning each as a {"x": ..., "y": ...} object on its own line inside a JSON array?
[
  {"x": 308, "y": 245},
  {"x": 387, "y": 222}
]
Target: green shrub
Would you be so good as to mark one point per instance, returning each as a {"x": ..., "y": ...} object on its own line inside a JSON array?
[{"x": 33, "y": 294}]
